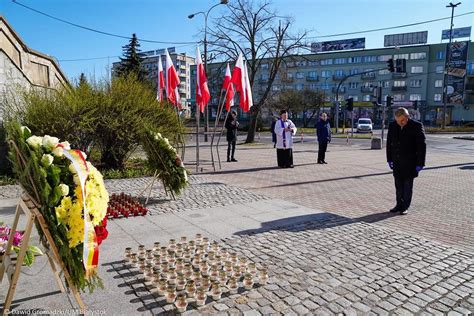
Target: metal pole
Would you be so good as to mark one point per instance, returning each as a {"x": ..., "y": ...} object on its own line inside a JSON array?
[
  {"x": 352, "y": 124},
  {"x": 383, "y": 123},
  {"x": 445, "y": 86},
  {"x": 197, "y": 138},
  {"x": 206, "y": 127}
]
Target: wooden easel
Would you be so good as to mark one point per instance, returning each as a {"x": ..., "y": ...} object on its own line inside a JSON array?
[
  {"x": 27, "y": 206},
  {"x": 149, "y": 187}
]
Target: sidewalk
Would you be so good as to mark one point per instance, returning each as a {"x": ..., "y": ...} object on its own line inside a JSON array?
[{"x": 325, "y": 235}]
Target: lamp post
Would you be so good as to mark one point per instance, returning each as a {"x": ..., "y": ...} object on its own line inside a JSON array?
[
  {"x": 206, "y": 14},
  {"x": 445, "y": 84}
]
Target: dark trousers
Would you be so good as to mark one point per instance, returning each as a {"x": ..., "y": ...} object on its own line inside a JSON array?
[
  {"x": 285, "y": 157},
  {"x": 404, "y": 192},
  {"x": 323, "y": 146},
  {"x": 230, "y": 147}
]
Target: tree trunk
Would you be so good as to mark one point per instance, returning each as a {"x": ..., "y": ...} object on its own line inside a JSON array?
[{"x": 254, "y": 111}]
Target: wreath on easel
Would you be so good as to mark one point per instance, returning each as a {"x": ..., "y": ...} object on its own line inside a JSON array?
[
  {"x": 163, "y": 157},
  {"x": 50, "y": 173}
]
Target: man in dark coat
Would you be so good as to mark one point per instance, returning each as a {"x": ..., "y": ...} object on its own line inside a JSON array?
[
  {"x": 406, "y": 152},
  {"x": 323, "y": 131},
  {"x": 231, "y": 125}
]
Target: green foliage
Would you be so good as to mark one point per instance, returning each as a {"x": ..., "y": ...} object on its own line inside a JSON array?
[
  {"x": 133, "y": 168},
  {"x": 5, "y": 166},
  {"x": 105, "y": 119},
  {"x": 130, "y": 63},
  {"x": 31, "y": 251}
]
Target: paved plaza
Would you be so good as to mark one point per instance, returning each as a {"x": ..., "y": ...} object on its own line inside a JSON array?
[{"x": 323, "y": 231}]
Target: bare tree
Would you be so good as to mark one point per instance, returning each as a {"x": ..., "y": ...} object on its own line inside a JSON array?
[{"x": 260, "y": 35}]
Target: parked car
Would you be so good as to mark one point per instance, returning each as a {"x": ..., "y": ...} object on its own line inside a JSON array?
[{"x": 364, "y": 125}]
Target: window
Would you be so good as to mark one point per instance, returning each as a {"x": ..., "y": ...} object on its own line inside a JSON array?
[
  {"x": 299, "y": 86},
  {"x": 289, "y": 87},
  {"x": 421, "y": 55},
  {"x": 264, "y": 66},
  {"x": 301, "y": 63},
  {"x": 312, "y": 74},
  {"x": 437, "y": 97},
  {"x": 357, "y": 59},
  {"x": 439, "y": 69},
  {"x": 384, "y": 84},
  {"x": 313, "y": 63},
  {"x": 290, "y": 64},
  {"x": 325, "y": 86},
  {"x": 353, "y": 85},
  {"x": 384, "y": 72},
  {"x": 326, "y": 73},
  {"x": 470, "y": 68},
  {"x": 289, "y": 75},
  {"x": 415, "y": 83},
  {"x": 369, "y": 59},
  {"x": 401, "y": 56},
  {"x": 415, "y": 97},
  {"x": 353, "y": 71},
  {"x": 265, "y": 76},
  {"x": 300, "y": 75},
  {"x": 440, "y": 55},
  {"x": 275, "y": 87},
  {"x": 313, "y": 86},
  {"x": 339, "y": 61},
  {"x": 384, "y": 57},
  {"x": 399, "y": 97},
  {"x": 354, "y": 97},
  {"x": 367, "y": 97},
  {"x": 339, "y": 73},
  {"x": 438, "y": 83},
  {"x": 416, "y": 69},
  {"x": 326, "y": 61},
  {"x": 399, "y": 83}
]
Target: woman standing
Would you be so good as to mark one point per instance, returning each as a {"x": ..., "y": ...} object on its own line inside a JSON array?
[
  {"x": 284, "y": 130},
  {"x": 231, "y": 125}
]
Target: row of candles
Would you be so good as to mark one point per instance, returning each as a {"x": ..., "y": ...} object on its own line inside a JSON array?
[
  {"x": 192, "y": 270},
  {"x": 125, "y": 205}
]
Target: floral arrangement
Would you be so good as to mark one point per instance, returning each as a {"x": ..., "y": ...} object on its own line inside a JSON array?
[
  {"x": 164, "y": 158},
  {"x": 31, "y": 251},
  {"x": 70, "y": 194}
]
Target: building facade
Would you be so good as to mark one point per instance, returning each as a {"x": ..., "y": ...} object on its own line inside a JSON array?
[
  {"x": 422, "y": 82},
  {"x": 22, "y": 67},
  {"x": 182, "y": 63}
]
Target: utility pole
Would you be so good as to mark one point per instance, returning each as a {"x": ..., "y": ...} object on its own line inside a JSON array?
[{"x": 445, "y": 84}]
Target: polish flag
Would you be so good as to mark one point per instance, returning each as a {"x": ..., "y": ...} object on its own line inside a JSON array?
[
  {"x": 202, "y": 91},
  {"x": 239, "y": 80},
  {"x": 161, "y": 81},
  {"x": 172, "y": 81},
  {"x": 248, "y": 90},
  {"x": 227, "y": 85}
]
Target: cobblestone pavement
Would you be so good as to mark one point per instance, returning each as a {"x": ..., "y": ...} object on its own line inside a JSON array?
[
  {"x": 358, "y": 184},
  {"x": 336, "y": 265}
]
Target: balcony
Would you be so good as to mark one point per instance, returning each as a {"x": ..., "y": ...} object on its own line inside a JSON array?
[
  {"x": 368, "y": 76},
  {"x": 398, "y": 75},
  {"x": 366, "y": 89},
  {"x": 312, "y": 79},
  {"x": 401, "y": 88},
  {"x": 341, "y": 90},
  {"x": 338, "y": 77},
  {"x": 287, "y": 79}
]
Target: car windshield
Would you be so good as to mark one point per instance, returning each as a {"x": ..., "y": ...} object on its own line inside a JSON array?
[{"x": 365, "y": 122}]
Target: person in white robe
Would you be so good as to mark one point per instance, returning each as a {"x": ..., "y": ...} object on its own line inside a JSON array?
[{"x": 284, "y": 130}]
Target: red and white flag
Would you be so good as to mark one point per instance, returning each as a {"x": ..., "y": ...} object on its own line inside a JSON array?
[
  {"x": 172, "y": 82},
  {"x": 161, "y": 81},
  {"x": 248, "y": 90},
  {"x": 239, "y": 80},
  {"x": 202, "y": 90},
  {"x": 227, "y": 85}
]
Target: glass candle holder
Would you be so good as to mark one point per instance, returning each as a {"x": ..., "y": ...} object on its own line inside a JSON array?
[
  {"x": 141, "y": 265},
  {"x": 196, "y": 274},
  {"x": 248, "y": 281},
  {"x": 263, "y": 276},
  {"x": 128, "y": 252},
  {"x": 148, "y": 272},
  {"x": 156, "y": 246},
  {"x": 191, "y": 289},
  {"x": 216, "y": 291},
  {"x": 252, "y": 268},
  {"x": 228, "y": 267},
  {"x": 162, "y": 286},
  {"x": 201, "y": 296},
  {"x": 234, "y": 258},
  {"x": 233, "y": 285},
  {"x": 211, "y": 255},
  {"x": 224, "y": 253},
  {"x": 141, "y": 249},
  {"x": 214, "y": 272},
  {"x": 172, "y": 244},
  {"x": 149, "y": 254},
  {"x": 198, "y": 238},
  {"x": 222, "y": 278},
  {"x": 180, "y": 282},
  {"x": 134, "y": 259},
  {"x": 172, "y": 276},
  {"x": 205, "y": 242},
  {"x": 215, "y": 246},
  {"x": 181, "y": 303},
  {"x": 163, "y": 251},
  {"x": 205, "y": 283},
  {"x": 183, "y": 239},
  {"x": 203, "y": 267},
  {"x": 237, "y": 272},
  {"x": 243, "y": 263},
  {"x": 156, "y": 260},
  {"x": 170, "y": 294}
]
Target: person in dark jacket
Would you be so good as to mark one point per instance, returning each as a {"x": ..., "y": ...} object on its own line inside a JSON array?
[
  {"x": 274, "y": 135},
  {"x": 231, "y": 125},
  {"x": 406, "y": 153},
  {"x": 323, "y": 131}
]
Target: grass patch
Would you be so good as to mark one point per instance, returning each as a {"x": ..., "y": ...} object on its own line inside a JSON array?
[
  {"x": 460, "y": 129},
  {"x": 134, "y": 168},
  {"x": 4, "y": 180}
]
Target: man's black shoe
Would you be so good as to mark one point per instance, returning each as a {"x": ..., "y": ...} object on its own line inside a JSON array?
[
  {"x": 396, "y": 209},
  {"x": 234, "y": 160},
  {"x": 228, "y": 160},
  {"x": 324, "y": 162},
  {"x": 320, "y": 162},
  {"x": 404, "y": 212}
]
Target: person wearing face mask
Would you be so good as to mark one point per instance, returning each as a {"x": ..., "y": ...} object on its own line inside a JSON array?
[
  {"x": 284, "y": 130},
  {"x": 406, "y": 153}
]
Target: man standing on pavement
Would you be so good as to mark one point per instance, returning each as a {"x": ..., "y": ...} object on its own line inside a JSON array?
[
  {"x": 323, "y": 131},
  {"x": 231, "y": 125},
  {"x": 284, "y": 130},
  {"x": 406, "y": 153}
]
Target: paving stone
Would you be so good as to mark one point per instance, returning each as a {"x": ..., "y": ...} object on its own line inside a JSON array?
[
  {"x": 252, "y": 313},
  {"x": 221, "y": 307},
  {"x": 266, "y": 310},
  {"x": 361, "y": 307}
]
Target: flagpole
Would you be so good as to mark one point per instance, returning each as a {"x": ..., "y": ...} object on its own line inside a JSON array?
[
  {"x": 197, "y": 138},
  {"x": 223, "y": 126},
  {"x": 219, "y": 111}
]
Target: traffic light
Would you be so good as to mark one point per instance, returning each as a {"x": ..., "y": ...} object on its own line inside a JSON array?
[
  {"x": 401, "y": 65},
  {"x": 350, "y": 104},
  {"x": 415, "y": 105},
  {"x": 390, "y": 65},
  {"x": 389, "y": 101}
]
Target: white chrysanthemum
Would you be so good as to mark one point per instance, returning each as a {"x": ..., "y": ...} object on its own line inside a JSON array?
[
  {"x": 58, "y": 152},
  {"x": 47, "y": 160},
  {"x": 64, "y": 189},
  {"x": 50, "y": 142},
  {"x": 34, "y": 141},
  {"x": 66, "y": 145}
]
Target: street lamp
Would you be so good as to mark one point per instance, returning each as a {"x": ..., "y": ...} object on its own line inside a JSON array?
[
  {"x": 206, "y": 14},
  {"x": 445, "y": 84}
]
